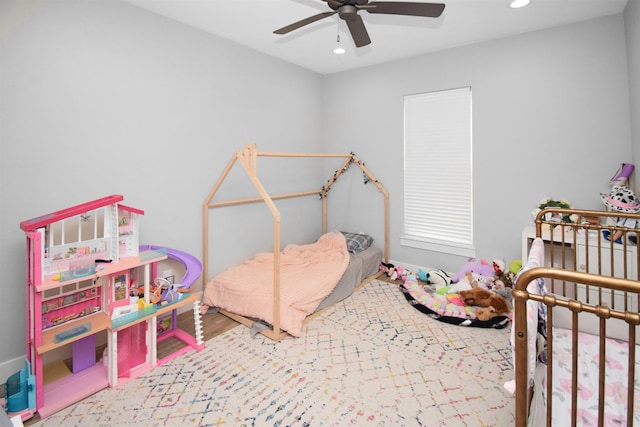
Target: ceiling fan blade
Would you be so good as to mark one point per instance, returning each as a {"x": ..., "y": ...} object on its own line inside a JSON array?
[
  {"x": 358, "y": 31},
  {"x": 303, "y": 22},
  {"x": 429, "y": 10}
]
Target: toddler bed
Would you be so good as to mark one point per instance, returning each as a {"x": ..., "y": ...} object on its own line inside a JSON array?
[
  {"x": 285, "y": 286},
  {"x": 575, "y": 335},
  {"x": 312, "y": 277}
]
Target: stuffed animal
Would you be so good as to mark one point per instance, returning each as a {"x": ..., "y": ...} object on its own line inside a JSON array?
[
  {"x": 503, "y": 277},
  {"x": 490, "y": 303},
  {"x": 486, "y": 313},
  {"x": 469, "y": 281},
  {"x": 473, "y": 274},
  {"x": 393, "y": 272},
  {"x": 439, "y": 278},
  {"x": 482, "y": 268},
  {"x": 515, "y": 266},
  {"x": 620, "y": 199}
]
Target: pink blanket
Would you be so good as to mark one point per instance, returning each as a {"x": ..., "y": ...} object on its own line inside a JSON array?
[{"x": 308, "y": 273}]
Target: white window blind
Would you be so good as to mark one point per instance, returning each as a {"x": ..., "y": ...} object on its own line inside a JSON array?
[{"x": 438, "y": 187}]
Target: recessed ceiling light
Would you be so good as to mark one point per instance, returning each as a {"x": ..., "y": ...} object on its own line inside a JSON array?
[{"x": 519, "y": 3}]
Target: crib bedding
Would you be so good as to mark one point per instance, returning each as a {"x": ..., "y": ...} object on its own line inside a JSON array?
[
  {"x": 616, "y": 382},
  {"x": 312, "y": 276}
]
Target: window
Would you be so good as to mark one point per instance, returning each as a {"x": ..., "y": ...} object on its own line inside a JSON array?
[{"x": 438, "y": 185}]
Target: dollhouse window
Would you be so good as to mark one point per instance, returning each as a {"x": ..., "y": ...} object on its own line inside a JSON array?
[
  {"x": 125, "y": 223},
  {"x": 80, "y": 228},
  {"x": 76, "y": 241}
]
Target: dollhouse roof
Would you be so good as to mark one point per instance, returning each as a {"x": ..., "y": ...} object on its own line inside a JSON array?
[{"x": 41, "y": 221}]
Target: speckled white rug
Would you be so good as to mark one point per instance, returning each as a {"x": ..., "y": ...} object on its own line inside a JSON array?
[{"x": 372, "y": 359}]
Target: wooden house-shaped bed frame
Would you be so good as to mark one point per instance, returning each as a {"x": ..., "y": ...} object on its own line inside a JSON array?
[{"x": 248, "y": 158}]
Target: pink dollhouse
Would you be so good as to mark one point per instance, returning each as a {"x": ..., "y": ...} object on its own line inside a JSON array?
[{"x": 88, "y": 327}]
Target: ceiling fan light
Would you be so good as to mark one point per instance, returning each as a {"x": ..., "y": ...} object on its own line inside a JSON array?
[{"x": 519, "y": 3}]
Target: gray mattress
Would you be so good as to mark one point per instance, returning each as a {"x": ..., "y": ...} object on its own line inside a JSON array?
[{"x": 361, "y": 265}]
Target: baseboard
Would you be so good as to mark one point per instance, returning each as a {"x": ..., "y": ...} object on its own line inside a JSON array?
[{"x": 411, "y": 267}]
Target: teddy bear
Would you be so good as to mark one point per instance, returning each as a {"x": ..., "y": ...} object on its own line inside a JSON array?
[{"x": 490, "y": 304}]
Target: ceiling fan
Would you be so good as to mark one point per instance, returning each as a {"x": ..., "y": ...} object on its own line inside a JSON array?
[{"x": 348, "y": 11}]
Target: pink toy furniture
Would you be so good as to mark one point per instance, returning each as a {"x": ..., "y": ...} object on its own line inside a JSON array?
[{"x": 82, "y": 263}]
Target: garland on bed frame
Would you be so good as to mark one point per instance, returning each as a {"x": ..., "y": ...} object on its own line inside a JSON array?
[{"x": 354, "y": 159}]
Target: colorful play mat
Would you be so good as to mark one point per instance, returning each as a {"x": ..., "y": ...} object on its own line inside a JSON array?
[{"x": 446, "y": 308}]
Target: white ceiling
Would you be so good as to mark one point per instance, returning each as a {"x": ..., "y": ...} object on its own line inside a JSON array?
[{"x": 251, "y": 23}]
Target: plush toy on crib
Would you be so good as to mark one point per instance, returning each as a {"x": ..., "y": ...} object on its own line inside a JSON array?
[{"x": 621, "y": 199}]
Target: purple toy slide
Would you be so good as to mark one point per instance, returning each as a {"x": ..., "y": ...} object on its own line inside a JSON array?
[{"x": 192, "y": 265}]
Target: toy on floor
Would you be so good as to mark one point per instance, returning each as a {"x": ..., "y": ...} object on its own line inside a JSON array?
[
  {"x": 449, "y": 308},
  {"x": 392, "y": 271},
  {"x": 472, "y": 274},
  {"x": 473, "y": 266},
  {"x": 505, "y": 275},
  {"x": 515, "y": 266},
  {"x": 490, "y": 304},
  {"x": 439, "y": 278}
]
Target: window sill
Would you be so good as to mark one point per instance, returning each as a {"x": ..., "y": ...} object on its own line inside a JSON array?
[{"x": 438, "y": 246}]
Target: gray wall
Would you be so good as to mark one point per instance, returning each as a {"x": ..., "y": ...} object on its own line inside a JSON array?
[
  {"x": 550, "y": 119},
  {"x": 101, "y": 97}
]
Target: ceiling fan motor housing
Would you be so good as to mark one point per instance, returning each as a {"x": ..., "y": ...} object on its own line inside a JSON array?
[
  {"x": 348, "y": 12},
  {"x": 337, "y": 4}
]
